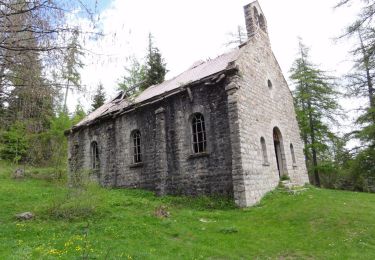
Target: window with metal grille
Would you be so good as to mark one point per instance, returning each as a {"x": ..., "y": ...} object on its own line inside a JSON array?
[
  {"x": 199, "y": 133},
  {"x": 137, "y": 155},
  {"x": 95, "y": 155}
]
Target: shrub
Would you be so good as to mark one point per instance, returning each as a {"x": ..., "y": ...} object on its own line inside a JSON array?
[
  {"x": 78, "y": 204},
  {"x": 14, "y": 143}
]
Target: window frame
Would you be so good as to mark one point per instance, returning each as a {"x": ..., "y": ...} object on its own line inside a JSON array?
[
  {"x": 95, "y": 159},
  {"x": 136, "y": 146},
  {"x": 198, "y": 134}
]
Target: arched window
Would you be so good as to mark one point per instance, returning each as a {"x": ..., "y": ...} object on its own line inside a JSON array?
[
  {"x": 137, "y": 155},
  {"x": 95, "y": 163},
  {"x": 264, "y": 150},
  {"x": 199, "y": 133},
  {"x": 292, "y": 152}
]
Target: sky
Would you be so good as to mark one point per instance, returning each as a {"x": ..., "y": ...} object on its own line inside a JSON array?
[{"x": 187, "y": 31}]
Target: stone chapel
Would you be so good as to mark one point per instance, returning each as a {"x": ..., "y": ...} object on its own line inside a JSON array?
[{"x": 224, "y": 126}]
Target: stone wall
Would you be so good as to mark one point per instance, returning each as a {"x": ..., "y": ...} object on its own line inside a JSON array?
[
  {"x": 238, "y": 112},
  {"x": 262, "y": 107},
  {"x": 169, "y": 165}
]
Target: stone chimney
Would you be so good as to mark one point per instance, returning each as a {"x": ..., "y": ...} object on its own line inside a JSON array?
[{"x": 254, "y": 19}]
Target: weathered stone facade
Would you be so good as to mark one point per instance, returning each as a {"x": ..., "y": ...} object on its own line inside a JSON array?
[{"x": 251, "y": 136}]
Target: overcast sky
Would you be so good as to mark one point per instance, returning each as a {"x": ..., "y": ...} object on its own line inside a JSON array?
[{"x": 187, "y": 31}]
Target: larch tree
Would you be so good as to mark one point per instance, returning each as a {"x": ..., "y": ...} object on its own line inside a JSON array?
[
  {"x": 72, "y": 65},
  {"x": 316, "y": 104},
  {"x": 360, "y": 80},
  {"x": 360, "y": 83}
]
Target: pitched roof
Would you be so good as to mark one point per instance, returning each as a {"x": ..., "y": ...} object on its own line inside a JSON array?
[{"x": 199, "y": 70}]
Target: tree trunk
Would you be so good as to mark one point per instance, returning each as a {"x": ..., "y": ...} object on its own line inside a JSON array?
[
  {"x": 313, "y": 150},
  {"x": 66, "y": 97},
  {"x": 370, "y": 86},
  {"x": 304, "y": 135}
]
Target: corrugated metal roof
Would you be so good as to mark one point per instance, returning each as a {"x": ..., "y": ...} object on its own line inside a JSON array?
[{"x": 199, "y": 70}]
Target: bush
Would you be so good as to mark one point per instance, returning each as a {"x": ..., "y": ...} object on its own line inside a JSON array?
[
  {"x": 78, "y": 204},
  {"x": 14, "y": 143}
]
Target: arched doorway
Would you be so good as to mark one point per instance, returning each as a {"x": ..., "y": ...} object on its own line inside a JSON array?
[{"x": 279, "y": 152}]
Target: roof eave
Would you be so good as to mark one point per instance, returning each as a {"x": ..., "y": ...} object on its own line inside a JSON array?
[{"x": 212, "y": 79}]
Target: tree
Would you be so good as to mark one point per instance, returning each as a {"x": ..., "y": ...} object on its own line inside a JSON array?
[
  {"x": 73, "y": 63},
  {"x": 238, "y": 37},
  {"x": 99, "y": 97},
  {"x": 155, "y": 67},
  {"x": 315, "y": 103},
  {"x": 37, "y": 43},
  {"x": 14, "y": 143},
  {"x": 134, "y": 78},
  {"x": 78, "y": 114},
  {"x": 30, "y": 96},
  {"x": 360, "y": 81},
  {"x": 141, "y": 76},
  {"x": 364, "y": 18},
  {"x": 43, "y": 23}
]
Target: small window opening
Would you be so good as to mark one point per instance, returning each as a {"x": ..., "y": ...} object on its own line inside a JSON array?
[
  {"x": 292, "y": 152},
  {"x": 264, "y": 150},
  {"x": 256, "y": 16},
  {"x": 262, "y": 23},
  {"x": 137, "y": 155},
  {"x": 95, "y": 156},
  {"x": 199, "y": 133},
  {"x": 269, "y": 83}
]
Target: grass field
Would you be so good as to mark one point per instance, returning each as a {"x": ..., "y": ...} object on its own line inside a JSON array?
[{"x": 96, "y": 223}]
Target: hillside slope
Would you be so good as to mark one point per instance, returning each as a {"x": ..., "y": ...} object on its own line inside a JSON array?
[{"x": 133, "y": 224}]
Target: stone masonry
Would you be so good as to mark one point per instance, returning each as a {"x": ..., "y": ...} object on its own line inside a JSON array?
[{"x": 251, "y": 136}]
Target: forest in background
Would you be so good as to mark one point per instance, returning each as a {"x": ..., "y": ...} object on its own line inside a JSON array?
[{"x": 41, "y": 59}]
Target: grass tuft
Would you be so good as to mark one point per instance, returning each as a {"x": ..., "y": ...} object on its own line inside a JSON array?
[{"x": 228, "y": 230}]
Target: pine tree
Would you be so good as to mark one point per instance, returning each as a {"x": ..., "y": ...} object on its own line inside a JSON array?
[
  {"x": 315, "y": 103},
  {"x": 155, "y": 67},
  {"x": 99, "y": 97}
]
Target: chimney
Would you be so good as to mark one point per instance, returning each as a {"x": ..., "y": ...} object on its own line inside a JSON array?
[{"x": 254, "y": 19}]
